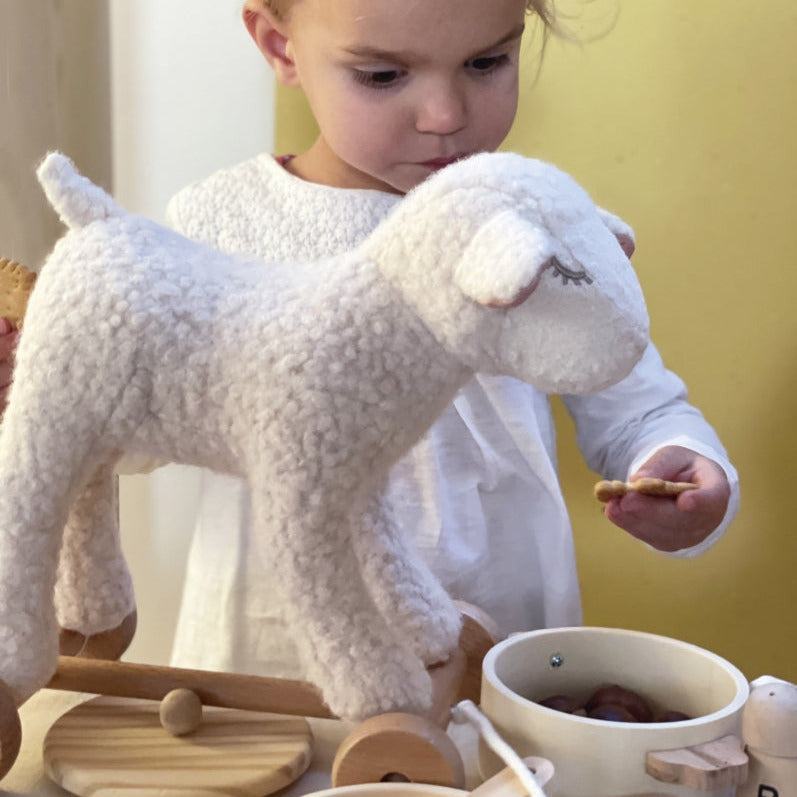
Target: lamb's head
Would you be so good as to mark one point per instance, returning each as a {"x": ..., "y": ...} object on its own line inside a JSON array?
[{"x": 516, "y": 271}]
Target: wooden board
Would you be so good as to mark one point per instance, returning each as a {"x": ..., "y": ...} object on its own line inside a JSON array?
[{"x": 113, "y": 745}]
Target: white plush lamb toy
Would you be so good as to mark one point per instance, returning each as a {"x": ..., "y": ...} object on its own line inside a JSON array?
[{"x": 309, "y": 381}]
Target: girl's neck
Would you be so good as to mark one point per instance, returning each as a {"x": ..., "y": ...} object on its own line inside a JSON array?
[{"x": 320, "y": 164}]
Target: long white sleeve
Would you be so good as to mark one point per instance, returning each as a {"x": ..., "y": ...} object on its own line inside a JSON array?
[{"x": 622, "y": 427}]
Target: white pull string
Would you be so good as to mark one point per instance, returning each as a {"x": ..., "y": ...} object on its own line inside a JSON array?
[{"x": 466, "y": 710}]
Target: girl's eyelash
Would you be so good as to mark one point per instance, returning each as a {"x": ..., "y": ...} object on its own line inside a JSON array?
[
  {"x": 383, "y": 79},
  {"x": 485, "y": 64},
  {"x": 388, "y": 78}
]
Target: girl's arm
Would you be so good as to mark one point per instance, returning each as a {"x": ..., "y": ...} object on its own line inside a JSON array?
[{"x": 645, "y": 426}]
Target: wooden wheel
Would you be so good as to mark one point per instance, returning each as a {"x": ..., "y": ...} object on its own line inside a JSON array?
[
  {"x": 108, "y": 645},
  {"x": 10, "y": 730},
  {"x": 401, "y": 747},
  {"x": 479, "y": 633}
]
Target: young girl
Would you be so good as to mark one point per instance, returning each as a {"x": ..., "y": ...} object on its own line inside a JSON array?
[{"x": 400, "y": 90}]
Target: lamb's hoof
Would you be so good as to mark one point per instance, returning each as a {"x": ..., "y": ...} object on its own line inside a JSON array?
[
  {"x": 10, "y": 730},
  {"x": 108, "y": 645},
  {"x": 401, "y": 684},
  {"x": 434, "y": 641}
]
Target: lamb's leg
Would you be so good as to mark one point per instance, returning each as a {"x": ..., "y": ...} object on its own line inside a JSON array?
[
  {"x": 35, "y": 491},
  {"x": 348, "y": 648},
  {"x": 94, "y": 589},
  {"x": 403, "y": 587}
]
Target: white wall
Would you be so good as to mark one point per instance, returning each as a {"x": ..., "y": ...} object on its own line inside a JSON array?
[{"x": 190, "y": 94}]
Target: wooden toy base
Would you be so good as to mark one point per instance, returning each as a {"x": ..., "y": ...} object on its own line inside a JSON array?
[{"x": 112, "y": 745}]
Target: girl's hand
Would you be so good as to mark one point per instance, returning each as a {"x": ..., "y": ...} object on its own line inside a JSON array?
[
  {"x": 8, "y": 342},
  {"x": 670, "y": 524}
]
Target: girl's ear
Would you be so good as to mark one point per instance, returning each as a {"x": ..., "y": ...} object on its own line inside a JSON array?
[{"x": 270, "y": 34}]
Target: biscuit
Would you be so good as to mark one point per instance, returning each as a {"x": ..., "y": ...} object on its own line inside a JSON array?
[
  {"x": 16, "y": 284},
  {"x": 606, "y": 490}
]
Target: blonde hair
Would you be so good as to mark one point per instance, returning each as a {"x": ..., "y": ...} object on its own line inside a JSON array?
[{"x": 544, "y": 9}]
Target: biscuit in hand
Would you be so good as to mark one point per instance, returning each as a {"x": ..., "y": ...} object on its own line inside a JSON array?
[
  {"x": 606, "y": 490},
  {"x": 16, "y": 284}
]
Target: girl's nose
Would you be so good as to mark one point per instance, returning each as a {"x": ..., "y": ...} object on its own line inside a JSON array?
[{"x": 441, "y": 112}]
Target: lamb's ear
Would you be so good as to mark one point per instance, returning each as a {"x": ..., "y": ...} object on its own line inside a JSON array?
[
  {"x": 502, "y": 264},
  {"x": 621, "y": 231}
]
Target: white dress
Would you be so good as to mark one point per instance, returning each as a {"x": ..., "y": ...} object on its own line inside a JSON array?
[{"x": 479, "y": 494}]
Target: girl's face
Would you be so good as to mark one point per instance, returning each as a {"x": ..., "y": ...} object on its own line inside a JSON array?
[{"x": 401, "y": 89}]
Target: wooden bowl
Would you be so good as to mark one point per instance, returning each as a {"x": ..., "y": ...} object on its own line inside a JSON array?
[{"x": 595, "y": 758}]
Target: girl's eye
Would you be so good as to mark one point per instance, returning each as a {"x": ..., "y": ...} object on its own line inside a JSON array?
[
  {"x": 488, "y": 63},
  {"x": 378, "y": 80}
]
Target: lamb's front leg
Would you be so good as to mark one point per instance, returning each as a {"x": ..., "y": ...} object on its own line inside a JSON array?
[
  {"x": 35, "y": 491},
  {"x": 347, "y": 646},
  {"x": 94, "y": 590},
  {"x": 402, "y": 586}
]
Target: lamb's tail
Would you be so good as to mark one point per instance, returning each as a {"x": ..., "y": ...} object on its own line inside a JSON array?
[{"x": 74, "y": 197}]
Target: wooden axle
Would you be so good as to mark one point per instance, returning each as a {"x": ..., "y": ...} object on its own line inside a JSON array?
[{"x": 154, "y": 682}]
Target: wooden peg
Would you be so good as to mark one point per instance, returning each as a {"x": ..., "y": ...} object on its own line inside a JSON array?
[{"x": 180, "y": 712}]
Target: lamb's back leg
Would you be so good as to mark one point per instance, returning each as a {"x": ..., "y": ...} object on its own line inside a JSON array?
[{"x": 94, "y": 599}]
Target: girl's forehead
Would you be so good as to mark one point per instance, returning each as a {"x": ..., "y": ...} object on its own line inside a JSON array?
[{"x": 410, "y": 25}]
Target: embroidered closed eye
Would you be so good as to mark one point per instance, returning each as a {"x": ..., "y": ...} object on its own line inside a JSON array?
[{"x": 576, "y": 276}]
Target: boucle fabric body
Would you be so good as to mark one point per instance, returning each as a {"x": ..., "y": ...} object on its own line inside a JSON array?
[
  {"x": 478, "y": 495},
  {"x": 307, "y": 381}
]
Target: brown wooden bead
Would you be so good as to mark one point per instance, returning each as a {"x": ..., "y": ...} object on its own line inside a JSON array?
[{"x": 181, "y": 712}]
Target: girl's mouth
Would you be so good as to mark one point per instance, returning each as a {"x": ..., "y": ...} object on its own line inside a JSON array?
[{"x": 440, "y": 163}]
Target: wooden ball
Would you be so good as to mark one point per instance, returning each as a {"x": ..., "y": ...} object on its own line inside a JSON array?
[{"x": 181, "y": 712}]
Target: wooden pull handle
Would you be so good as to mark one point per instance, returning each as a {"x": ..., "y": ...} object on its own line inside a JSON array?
[{"x": 718, "y": 764}]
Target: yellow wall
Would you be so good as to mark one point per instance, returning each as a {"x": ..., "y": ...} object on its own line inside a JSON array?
[{"x": 683, "y": 119}]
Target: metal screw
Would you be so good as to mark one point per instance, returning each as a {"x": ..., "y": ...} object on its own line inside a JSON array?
[{"x": 557, "y": 660}]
